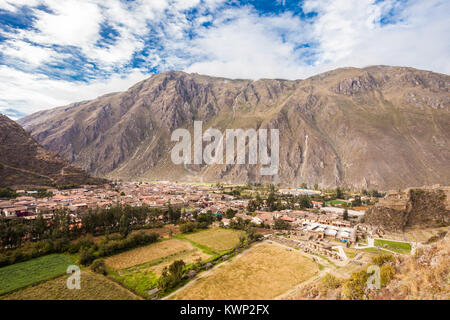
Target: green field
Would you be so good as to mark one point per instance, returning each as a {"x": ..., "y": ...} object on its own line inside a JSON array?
[
  {"x": 335, "y": 202},
  {"x": 23, "y": 274},
  {"x": 396, "y": 246}
]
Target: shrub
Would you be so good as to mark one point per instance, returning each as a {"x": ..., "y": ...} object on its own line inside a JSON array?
[
  {"x": 331, "y": 282},
  {"x": 86, "y": 256},
  {"x": 355, "y": 286},
  {"x": 99, "y": 266},
  {"x": 387, "y": 273},
  {"x": 382, "y": 259},
  {"x": 187, "y": 227}
]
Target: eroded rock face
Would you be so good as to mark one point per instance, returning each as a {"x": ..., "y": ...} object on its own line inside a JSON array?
[
  {"x": 414, "y": 207},
  {"x": 24, "y": 162},
  {"x": 378, "y": 127}
]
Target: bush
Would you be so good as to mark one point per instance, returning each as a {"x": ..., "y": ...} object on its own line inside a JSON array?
[
  {"x": 383, "y": 259},
  {"x": 331, "y": 282},
  {"x": 86, "y": 256},
  {"x": 99, "y": 266},
  {"x": 187, "y": 227},
  {"x": 355, "y": 286},
  {"x": 387, "y": 273}
]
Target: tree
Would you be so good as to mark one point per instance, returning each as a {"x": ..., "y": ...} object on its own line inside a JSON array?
[
  {"x": 305, "y": 202},
  {"x": 171, "y": 276},
  {"x": 86, "y": 256},
  {"x": 176, "y": 269},
  {"x": 252, "y": 206},
  {"x": 345, "y": 215},
  {"x": 281, "y": 225},
  {"x": 187, "y": 227},
  {"x": 339, "y": 194},
  {"x": 98, "y": 266},
  {"x": 229, "y": 214},
  {"x": 7, "y": 193},
  {"x": 271, "y": 201},
  {"x": 357, "y": 202},
  {"x": 174, "y": 214},
  {"x": 124, "y": 226}
]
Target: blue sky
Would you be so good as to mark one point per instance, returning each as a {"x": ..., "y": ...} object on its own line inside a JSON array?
[{"x": 54, "y": 52}]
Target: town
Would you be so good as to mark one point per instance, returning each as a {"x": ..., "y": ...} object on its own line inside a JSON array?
[
  {"x": 154, "y": 237},
  {"x": 325, "y": 218}
]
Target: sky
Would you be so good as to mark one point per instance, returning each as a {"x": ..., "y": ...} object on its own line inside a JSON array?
[{"x": 56, "y": 52}]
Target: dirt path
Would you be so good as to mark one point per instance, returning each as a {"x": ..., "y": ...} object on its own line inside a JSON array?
[{"x": 29, "y": 172}]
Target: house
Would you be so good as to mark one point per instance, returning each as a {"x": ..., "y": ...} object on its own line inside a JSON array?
[
  {"x": 316, "y": 204},
  {"x": 266, "y": 218}
]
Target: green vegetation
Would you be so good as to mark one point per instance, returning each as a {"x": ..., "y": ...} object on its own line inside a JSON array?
[
  {"x": 7, "y": 193},
  {"x": 336, "y": 202},
  {"x": 34, "y": 271},
  {"x": 355, "y": 287},
  {"x": 331, "y": 282},
  {"x": 396, "y": 246},
  {"x": 98, "y": 266}
]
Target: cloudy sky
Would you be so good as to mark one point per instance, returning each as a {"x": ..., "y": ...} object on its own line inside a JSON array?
[{"x": 54, "y": 52}]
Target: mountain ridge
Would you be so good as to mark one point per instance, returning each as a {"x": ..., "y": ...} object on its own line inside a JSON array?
[
  {"x": 23, "y": 162},
  {"x": 377, "y": 127}
]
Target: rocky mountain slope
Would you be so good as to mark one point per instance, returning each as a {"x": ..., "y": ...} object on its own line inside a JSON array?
[
  {"x": 414, "y": 207},
  {"x": 377, "y": 127},
  {"x": 23, "y": 162}
]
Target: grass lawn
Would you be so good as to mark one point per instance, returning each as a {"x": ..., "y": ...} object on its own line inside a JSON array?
[
  {"x": 262, "y": 272},
  {"x": 216, "y": 239},
  {"x": 375, "y": 250},
  {"x": 93, "y": 287},
  {"x": 335, "y": 202},
  {"x": 148, "y": 253},
  {"x": 23, "y": 274},
  {"x": 396, "y": 246}
]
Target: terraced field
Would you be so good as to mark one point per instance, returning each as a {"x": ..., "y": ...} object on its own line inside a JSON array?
[
  {"x": 139, "y": 269},
  {"x": 93, "y": 287},
  {"x": 24, "y": 274},
  {"x": 148, "y": 253}
]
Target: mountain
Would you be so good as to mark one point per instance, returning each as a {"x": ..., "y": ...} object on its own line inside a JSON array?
[
  {"x": 24, "y": 162},
  {"x": 378, "y": 127}
]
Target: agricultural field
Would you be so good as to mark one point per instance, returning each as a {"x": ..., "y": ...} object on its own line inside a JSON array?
[
  {"x": 148, "y": 253},
  {"x": 139, "y": 269},
  {"x": 27, "y": 273},
  {"x": 262, "y": 272},
  {"x": 396, "y": 246},
  {"x": 93, "y": 287},
  {"x": 216, "y": 239}
]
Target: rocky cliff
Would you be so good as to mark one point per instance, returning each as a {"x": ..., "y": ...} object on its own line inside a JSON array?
[
  {"x": 414, "y": 207},
  {"x": 377, "y": 127},
  {"x": 23, "y": 162}
]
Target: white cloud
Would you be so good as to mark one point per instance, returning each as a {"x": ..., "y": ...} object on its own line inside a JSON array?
[
  {"x": 27, "y": 53},
  {"x": 349, "y": 34},
  {"x": 239, "y": 42},
  {"x": 29, "y": 93}
]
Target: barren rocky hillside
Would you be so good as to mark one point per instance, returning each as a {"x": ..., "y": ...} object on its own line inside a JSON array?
[
  {"x": 414, "y": 207},
  {"x": 377, "y": 127},
  {"x": 23, "y": 162}
]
